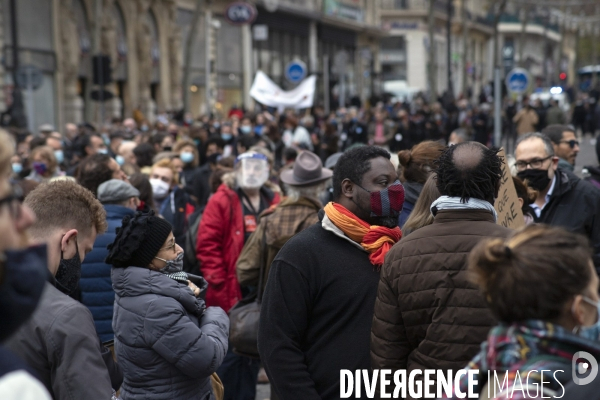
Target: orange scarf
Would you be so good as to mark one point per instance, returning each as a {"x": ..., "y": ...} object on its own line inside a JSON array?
[{"x": 376, "y": 240}]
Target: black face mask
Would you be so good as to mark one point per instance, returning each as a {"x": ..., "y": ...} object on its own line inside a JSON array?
[
  {"x": 536, "y": 178},
  {"x": 21, "y": 286},
  {"x": 69, "y": 272},
  {"x": 214, "y": 158}
]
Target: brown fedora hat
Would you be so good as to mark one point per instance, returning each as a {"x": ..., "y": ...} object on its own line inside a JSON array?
[{"x": 308, "y": 169}]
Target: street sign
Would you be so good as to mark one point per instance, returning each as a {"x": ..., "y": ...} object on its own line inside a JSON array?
[
  {"x": 517, "y": 80},
  {"x": 240, "y": 13},
  {"x": 29, "y": 77},
  {"x": 340, "y": 62},
  {"x": 260, "y": 33},
  {"x": 295, "y": 71}
]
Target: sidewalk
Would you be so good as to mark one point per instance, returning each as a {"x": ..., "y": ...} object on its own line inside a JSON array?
[{"x": 263, "y": 391}]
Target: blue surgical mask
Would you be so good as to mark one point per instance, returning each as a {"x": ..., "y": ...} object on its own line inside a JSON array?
[
  {"x": 591, "y": 332},
  {"x": 17, "y": 168},
  {"x": 175, "y": 265},
  {"x": 246, "y": 129},
  {"x": 60, "y": 156},
  {"x": 120, "y": 160},
  {"x": 103, "y": 151},
  {"x": 226, "y": 136},
  {"x": 187, "y": 157}
]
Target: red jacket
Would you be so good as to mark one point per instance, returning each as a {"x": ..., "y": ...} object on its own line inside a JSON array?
[{"x": 220, "y": 242}]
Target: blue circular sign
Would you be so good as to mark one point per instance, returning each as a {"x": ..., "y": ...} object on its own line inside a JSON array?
[
  {"x": 517, "y": 80},
  {"x": 240, "y": 13},
  {"x": 295, "y": 71}
]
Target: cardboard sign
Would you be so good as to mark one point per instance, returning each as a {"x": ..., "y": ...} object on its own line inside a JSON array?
[{"x": 507, "y": 204}]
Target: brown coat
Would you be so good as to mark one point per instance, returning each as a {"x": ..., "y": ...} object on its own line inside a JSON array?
[
  {"x": 526, "y": 120},
  {"x": 427, "y": 313},
  {"x": 281, "y": 223}
]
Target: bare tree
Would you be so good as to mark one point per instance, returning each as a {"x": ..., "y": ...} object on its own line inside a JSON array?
[{"x": 189, "y": 47}]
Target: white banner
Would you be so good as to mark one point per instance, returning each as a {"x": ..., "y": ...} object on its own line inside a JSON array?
[{"x": 266, "y": 92}]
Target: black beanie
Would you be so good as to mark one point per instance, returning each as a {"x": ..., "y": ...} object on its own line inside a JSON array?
[{"x": 138, "y": 241}]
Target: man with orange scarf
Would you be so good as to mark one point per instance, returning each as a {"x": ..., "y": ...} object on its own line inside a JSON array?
[{"x": 318, "y": 303}]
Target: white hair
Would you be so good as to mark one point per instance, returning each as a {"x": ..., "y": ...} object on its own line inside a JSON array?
[{"x": 315, "y": 191}]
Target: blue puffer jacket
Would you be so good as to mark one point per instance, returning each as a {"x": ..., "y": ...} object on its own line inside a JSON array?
[
  {"x": 166, "y": 345},
  {"x": 96, "y": 287}
]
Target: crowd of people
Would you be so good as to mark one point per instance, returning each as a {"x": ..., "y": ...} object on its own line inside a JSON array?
[{"x": 143, "y": 239}]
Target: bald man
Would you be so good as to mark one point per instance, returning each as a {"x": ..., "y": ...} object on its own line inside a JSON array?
[{"x": 424, "y": 275}]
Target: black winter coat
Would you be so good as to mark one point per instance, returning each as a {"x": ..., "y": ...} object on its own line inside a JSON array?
[{"x": 574, "y": 205}]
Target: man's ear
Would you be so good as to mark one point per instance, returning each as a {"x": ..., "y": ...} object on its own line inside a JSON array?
[
  {"x": 65, "y": 244},
  {"x": 347, "y": 188}
]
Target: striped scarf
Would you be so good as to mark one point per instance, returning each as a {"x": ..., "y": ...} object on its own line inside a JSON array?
[
  {"x": 523, "y": 347},
  {"x": 376, "y": 240}
]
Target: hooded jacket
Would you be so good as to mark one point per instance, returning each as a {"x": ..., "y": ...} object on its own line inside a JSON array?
[
  {"x": 220, "y": 242},
  {"x": 165, "y": 342},
  {"x": 575, "y": 206},
  {"x": 97, "y": 293},
  {"x": 278, "y": 226}
]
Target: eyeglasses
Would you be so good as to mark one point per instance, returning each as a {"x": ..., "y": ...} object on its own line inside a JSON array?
[
  {"x": 571, "y": 143},
  {"x": 536, "y": 163},
  {"x": 13, "y": 202},
  {"x": 170, "y": 246}
]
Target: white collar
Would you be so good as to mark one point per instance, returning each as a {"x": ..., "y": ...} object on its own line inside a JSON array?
[{"x": 328, "y": 225}]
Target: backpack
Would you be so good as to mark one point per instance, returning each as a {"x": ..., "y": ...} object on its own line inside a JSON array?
[{"x": 191, "y": 263}]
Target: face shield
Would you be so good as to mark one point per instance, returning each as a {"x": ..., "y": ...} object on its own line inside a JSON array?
[{"x": 252, "y": 170}]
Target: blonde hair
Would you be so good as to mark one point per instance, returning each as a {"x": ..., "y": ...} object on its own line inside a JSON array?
[
  {"x": 421, "y": 215},
  {"x": 7, "y": 150},
  {"x": 166, "y": 163}
]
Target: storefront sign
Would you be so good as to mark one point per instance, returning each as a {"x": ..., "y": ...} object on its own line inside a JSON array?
[
  {"x": 401, "y": 25},
  {"x": 341, "y": 9},
  {"x": 240, "y": 13},
  {"x": 507, "y": 204},
  {"x": 260, "y": 33}
]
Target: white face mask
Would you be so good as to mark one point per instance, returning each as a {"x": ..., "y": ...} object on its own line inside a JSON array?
[{"x": 160, "y": 189}]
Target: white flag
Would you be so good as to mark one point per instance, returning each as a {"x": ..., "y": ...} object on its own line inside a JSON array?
[{"x": 266, "y": 92}]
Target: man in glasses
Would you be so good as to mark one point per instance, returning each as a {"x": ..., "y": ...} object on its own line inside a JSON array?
[
  {"x": 563, "y": 199},
  {"x": 566, "y": 146}
]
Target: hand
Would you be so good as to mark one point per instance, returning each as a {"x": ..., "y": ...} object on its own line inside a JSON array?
[{"x": 194, "y": 288}]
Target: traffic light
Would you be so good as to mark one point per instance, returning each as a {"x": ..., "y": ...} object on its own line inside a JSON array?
[{"x": 562, "y": 76}]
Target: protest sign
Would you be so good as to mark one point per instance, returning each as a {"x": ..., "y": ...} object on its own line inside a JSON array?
[
  {"x": 507, "y": 204},
  {"x": 266, "y": 92}
]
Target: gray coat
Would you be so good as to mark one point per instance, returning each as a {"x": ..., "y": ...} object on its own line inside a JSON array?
[
  {"x": 60, "y": 343},
  {"x": 164, "y": 349}
]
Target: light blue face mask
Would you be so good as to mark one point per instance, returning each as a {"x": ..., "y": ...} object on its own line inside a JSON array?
[
  {"x": 187, "y": 157},
  {"x": 103, "y": 151},
  {"x": 120, "y": 160},
  {"x": 17, "y": 168},
  {"x": 60, "y": 156},
  {"x": 226, "y": 136},
  {"x": 246, "y": 129},
  {"x": 591, "y": 332}
]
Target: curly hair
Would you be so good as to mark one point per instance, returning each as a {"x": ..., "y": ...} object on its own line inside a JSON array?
[
  {"x": 65, "y": 204},
  {"x": 354, "y": 164},
  {"x": 93, "y": 171},
  {"x": 469, "y": 170}
]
